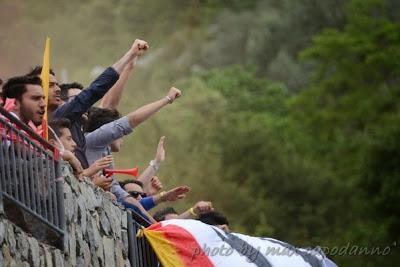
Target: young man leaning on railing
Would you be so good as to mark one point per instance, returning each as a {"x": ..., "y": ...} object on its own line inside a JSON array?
[{"x": 60, "y": 136}]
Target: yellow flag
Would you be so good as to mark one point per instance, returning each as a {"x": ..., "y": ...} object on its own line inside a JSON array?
[{"x": 45, "y": 83}]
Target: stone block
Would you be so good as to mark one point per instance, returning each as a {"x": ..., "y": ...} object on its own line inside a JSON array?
[
  {"x": 72, "y": 244},
  {"x": 82, "y": 213},
  {"x": 124, "y": 219},
  {"x": 10, "y": 238},
  {"x": 48, "y": 258},
  {"x": 105, "y": 223},
  {"x": 6, "y": 255},
  {"x": 34, "y": 252},
  {"x": 108, "y": 244},
  {"x": 119, "y": 257},
  {"x": 2, "y": 231},
  {"x": 23, "y": 245},
  {"x": 69, "y": 203},
  {"x": 58, "y": 259},
  {"x": 125, "y": 241},
  {"x": 83, "y": 251}
]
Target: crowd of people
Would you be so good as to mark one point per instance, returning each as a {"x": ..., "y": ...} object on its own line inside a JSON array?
[{"x": 87, "y": 136}]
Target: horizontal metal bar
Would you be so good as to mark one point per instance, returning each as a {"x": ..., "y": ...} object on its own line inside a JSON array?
[
  {"x": 26, "y": 128},
  {"x": 37, "y": 216}
]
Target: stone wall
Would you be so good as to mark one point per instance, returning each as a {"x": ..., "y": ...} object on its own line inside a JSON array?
[{"x": 96, "y": 232}]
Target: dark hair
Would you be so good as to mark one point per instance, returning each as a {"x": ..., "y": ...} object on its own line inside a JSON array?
[
  {"x": 213, "y": 218},
  {"x": 160, "y": 214},
  {"x": 97, "y": 117},
  {"x": 131, "y": 181},
  {"x": 15, "y": 87},
  {"x": 36, "y": 71},
  {"x": 66, "y": 86},
  {"x": 1, "y": 81},
  {"x": 57, "y": 125}
]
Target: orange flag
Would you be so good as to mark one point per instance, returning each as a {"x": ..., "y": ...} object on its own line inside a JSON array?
[{"x": 45, "y": 76}]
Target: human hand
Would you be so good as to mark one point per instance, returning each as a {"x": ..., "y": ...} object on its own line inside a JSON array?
[
  {"x": 139, "y": 47},
  {"x": 111, "y": 196},
  {"x": 102, "y": 181},
  {"x": 173, "y": 94},
  {"x": 160, "y": 154},
  {"x": 154, "y": 186},
  {"x": 202, "y": 207},
  {"x": 175, "y": 193},
  {"x": 102, "y": 163},
  {"x": 75, "y": 164}
]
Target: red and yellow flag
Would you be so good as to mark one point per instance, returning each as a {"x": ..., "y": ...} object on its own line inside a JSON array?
[{"x": 45, "y": 76}]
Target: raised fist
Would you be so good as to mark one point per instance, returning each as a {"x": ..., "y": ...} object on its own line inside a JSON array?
[
  {"x": 203, "y": 207},
  {"x": 173, "y": 94},
  {"x": 139, "y": 47}
]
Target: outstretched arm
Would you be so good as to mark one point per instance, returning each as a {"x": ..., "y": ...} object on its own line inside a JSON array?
[
  {"x": 143, "y": 113},
  {"x": 113, "y": 97},
  {"x": 133, "y": 201},
  {"x": 137, "y": 49},
  {"x": 146, "y": 176},
  {"x": 171, "y": 195},
  {"x": 199, "y": 208},
  {"x": 97, "y": 89}
]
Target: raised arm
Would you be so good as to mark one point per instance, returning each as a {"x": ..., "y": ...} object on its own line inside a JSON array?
[
  {"x": 113, "y": 97},
  {"x": 133, "y": 201},
  {"x": 143, "y": 113},
  {"x": 137, "y": 49},
  {"x": 99, "y": 87},
  {"x": 199, "y": 208},
  {"x": 171, "y": 195},
  {"x": 146, "y": 176}
]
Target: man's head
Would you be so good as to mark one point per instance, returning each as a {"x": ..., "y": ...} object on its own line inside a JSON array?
[
  {"x": 70, "y": 90},
  {"x": 167, "y": 213},
  {"x": 215, "y": 218},
  {"x": 134, "y": 188},
  {"x": 97, "y": 117},
  {"x": 54, "y": 100},
  {"x": 61, "y": 129},
  {"x": 29, "y": 98}
]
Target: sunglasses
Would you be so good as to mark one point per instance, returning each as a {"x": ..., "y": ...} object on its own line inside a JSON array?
[{"x": 135, "y": 194}]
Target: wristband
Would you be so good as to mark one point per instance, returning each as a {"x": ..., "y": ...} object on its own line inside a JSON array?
[
  {"x": 162, "y": 196},
  {"x": 154, "y": 165},
  {"x": 191, "y": 210},
  {"x": 169, "y": 99}
]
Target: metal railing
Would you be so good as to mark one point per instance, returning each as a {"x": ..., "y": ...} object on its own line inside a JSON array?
[
  {"x": 141, "y": 254},
  {"x": 29, "y": 172}
]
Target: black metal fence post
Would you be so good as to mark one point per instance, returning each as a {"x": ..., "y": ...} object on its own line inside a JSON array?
[
  {"x": 141, "y": 254},
  {"x": 30, "y": 177}
]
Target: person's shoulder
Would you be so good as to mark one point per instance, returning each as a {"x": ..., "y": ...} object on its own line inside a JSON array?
[{"x": 59, "y": 112}]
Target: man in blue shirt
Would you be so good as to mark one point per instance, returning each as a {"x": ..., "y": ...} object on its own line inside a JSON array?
[
  {"x": 135, "y": 189},
  {"x": 74, "y": 109}
]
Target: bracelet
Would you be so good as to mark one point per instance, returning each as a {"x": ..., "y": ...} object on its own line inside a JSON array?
[
  {"x": 154, "y": 165},
  {"x": 162, "y": 196},
  {"x": 191, "y": 210},
  {"x": 169, "y": 99}
]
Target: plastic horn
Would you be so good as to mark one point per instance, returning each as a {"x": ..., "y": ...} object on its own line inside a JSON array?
[{"x": 133, "y": 172}]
